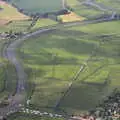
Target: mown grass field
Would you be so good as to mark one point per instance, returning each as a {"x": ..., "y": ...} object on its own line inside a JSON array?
[{"x": 53, "y": 59}]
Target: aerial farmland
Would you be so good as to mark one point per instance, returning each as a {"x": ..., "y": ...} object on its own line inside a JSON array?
[{"x": 59, "y": 59}]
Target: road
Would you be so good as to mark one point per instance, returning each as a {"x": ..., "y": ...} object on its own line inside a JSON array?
[
  {"x": 10, "y": 54},
  {"x": 63, "y": 4},
  {"x": 101, "y": 7}
]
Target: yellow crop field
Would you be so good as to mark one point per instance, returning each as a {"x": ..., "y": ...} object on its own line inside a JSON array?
[
  {"x": 9, "y": 13},
  {"x": 71, "y": 17}
]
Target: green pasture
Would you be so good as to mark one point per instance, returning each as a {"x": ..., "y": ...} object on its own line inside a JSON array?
[
  {"x": 114, "y": 5},
  {"x": 52, "y": 60},
  {"x": 111, "y": 28},
  {"x": 2, "y": 78},
  {"x": 72, "y": 3},
  {"x": 82, "y": 10},
  {"x": 24, "y": 25},
  {"x": 88, "y": 92},
  {"x": 16, "y": 26},
  {"x": 43, "y": 23},
  {"x": 98, "y": 77},
  {"x": 8, "y": 80},
  {"x": 85, "y": 11}
]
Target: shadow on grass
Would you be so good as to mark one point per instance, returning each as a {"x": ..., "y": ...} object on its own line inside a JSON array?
[
  {"x": 48, "y": 60},
  {"x": 83, "y": 97}
]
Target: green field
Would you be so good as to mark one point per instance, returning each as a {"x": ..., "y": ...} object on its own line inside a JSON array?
[
  {"x": 7, "y": 74},
  {"x": 43, "y": 23},
  {"x": 91, "y": 91},
  {"x": 16, "y": 26},
  {"x": 2, "y": 78},
  {"x": 53, "y": 59},
  {"x": 38, "y": 6},
  {"x": 83, "y": 10},
  {"x": 88, "y": 12},
  {"x": 23, "y": 25},
  {"x": 8, "y": 80},
  {"x": 9, "y": 13},
  {"x": 110, "y": 4}
]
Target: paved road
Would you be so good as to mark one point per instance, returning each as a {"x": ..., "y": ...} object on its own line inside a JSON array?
[{"x": 10, "y": 54}]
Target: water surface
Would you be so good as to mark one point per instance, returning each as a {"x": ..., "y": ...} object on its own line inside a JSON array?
[{"x": 40, "y": 6}]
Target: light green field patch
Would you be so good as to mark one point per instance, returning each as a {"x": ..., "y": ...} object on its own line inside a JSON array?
[
  {"x": 10, "y": 13},
  {"x": 16, "y": 26},
  {"x": 72, "y": 2},
  {"x": 43, "y": 23},
  {"x": 100, "y": 28},
  {"x": 100, "y": 77}
]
